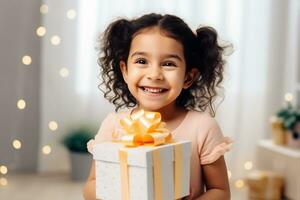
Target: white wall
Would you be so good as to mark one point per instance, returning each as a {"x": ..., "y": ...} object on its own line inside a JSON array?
[{"x": 18, "y": 21}]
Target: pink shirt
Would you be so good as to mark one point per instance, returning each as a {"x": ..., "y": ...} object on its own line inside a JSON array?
[{"x": 208, "y": 142}]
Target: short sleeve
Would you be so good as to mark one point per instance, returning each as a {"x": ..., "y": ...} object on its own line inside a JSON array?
[
  {"x": 105, "y": 132},
  {"x": 214, "y": 145}
]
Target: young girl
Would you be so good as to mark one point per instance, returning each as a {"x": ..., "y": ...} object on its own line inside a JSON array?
[{"x": 157, "y": 63}]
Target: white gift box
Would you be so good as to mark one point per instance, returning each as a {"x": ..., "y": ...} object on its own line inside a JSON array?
[{"x": 142, "y": 171}]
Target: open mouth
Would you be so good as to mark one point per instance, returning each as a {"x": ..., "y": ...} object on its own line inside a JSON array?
[{"x": 153, "y": 90}]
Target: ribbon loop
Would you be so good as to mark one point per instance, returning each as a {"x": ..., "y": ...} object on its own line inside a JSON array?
[{"x": 144, "y": 128}]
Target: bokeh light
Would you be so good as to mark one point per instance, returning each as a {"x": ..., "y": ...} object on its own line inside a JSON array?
[
  {"x": 17, "y": 144},
  {"x": 44, "y": 9},
  {"x": 64, "y": 72},
  {"x": 288, "y": 97},
  {"x": 46, "y": 149},
  {"x": 55, "y": 40},
  {"x": 3, "y": 169},
  {"x": 21, "y": 104},
  {"x": 26, "y": 60},
  {"x": 71, "y": 14},
  {"x": 41, "y": 31},
  {"x": 239, "y": 183},
  {"x": 3, "y": 181},
  {"x": 248, "y": 165},
  {"x": 53, "y": 125}
]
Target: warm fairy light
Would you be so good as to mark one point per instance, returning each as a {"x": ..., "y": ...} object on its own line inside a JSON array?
[
  {"x": 21, "y": 104},
  {"x": 26, "y": 60},
  {"x": 44, "y": 9},
  {"x": 3, "y": 181},
  {"x": 46, "y": 149},
  {"x": 53, "y": 125},
  {"x": 288, "y": 97},
  {"x": 248, "y": 165},
  {"x": 64, "y": 72},
  {"x": 17, "y": 144},
  {"x": 55, "y": 40},
  {"x": 3, "y": 169},
  {"x": 71, "y": 14},
  {"x": 41, "y": 31},
  {"x": 229, "y": 174},
  {"x": 239, "y": 183}
]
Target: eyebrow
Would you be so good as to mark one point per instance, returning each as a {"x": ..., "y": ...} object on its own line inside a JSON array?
[{"x": 166, "y": 55}]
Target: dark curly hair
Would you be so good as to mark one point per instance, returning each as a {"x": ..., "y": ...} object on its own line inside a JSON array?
[{"x": 201, "y": 51}]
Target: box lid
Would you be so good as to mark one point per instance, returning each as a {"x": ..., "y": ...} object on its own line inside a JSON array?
[{"x": 138, "y": 156}]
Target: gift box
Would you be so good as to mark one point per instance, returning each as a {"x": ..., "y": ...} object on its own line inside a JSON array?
[
  {"x": 143, "y": 162},
  {"x": 265, "y": 185},
  {"x": 143, "y": 172}
]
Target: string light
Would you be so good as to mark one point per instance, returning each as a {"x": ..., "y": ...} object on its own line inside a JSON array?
[
  {"x": 55, "y": 40},
  {"x": 3, "y": 169},
  {"x": 44, "y": 9},
  {"x": 41, "y": 31},
  {"x": 17, "y": 144},
  {"x": 248, "y": 165},
  {"x": 21, "y": 104},
  {"x": 26, "y": 60},
  {"x": 46, "y": 149},
  {"x": 64, "y": 72},
  {"x": 71, "y": 14},
  {"x": 53, "y": 125}
]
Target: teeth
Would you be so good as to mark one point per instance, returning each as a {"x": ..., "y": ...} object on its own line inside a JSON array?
[{"x": 153, "y": 90}]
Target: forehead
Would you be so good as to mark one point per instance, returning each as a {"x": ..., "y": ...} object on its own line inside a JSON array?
[{"x": 156, "y": 42}]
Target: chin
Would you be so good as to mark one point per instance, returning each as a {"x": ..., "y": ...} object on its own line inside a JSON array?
[{"x": 151, "y": 107}]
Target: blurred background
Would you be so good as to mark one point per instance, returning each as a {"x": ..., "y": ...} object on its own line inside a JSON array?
[{"x": 50, "y": 104}]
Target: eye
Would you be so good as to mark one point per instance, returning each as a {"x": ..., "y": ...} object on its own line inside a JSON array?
[
  {"x": 169, "y": 64},
  {"x": 140, "y": 61}
]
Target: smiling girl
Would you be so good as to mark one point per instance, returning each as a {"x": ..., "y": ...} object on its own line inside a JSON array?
[{"x": 157, "y": 63}]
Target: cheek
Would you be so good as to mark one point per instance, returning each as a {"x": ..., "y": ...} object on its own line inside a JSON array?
[
  {"x": 134, "y": 75},
  {"x": 176, "y": 78}
]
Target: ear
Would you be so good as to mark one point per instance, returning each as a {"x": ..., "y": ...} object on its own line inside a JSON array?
[
  {"x": 124, "y": 71},
  {"x": 190, "y": 77}
]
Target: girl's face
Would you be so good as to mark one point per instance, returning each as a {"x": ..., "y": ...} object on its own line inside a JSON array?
[{"x": 155, "y": 70}]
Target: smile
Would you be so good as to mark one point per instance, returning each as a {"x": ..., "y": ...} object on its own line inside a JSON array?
[{"x": 153, "y": 90}]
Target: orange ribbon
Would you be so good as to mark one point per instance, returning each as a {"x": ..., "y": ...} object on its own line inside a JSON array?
[
  {"x": 178, "y": 168},
  {"x": 144, "y": 128},
  {"x": 124, "y": 175}
]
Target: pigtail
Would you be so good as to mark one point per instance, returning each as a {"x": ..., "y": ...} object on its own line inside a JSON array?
[
  {"x": 116, "y": 39},
  {"x": 211, "y": 65},
  {"x": 115, "y": 46}
]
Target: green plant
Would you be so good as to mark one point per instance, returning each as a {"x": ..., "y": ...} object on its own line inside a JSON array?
[
  {"x": 76, "y": 139},
  {"x": 290, "y": 116}
]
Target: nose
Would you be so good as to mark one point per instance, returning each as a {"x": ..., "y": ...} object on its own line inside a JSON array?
[{"x": 154, "y": 73}]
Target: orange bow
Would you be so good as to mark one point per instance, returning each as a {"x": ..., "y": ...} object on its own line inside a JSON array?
[{"x": 144, "y": 128}]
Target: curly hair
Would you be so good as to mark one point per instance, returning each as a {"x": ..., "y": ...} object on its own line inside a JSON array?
[{"x": 201, "y": 51}]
